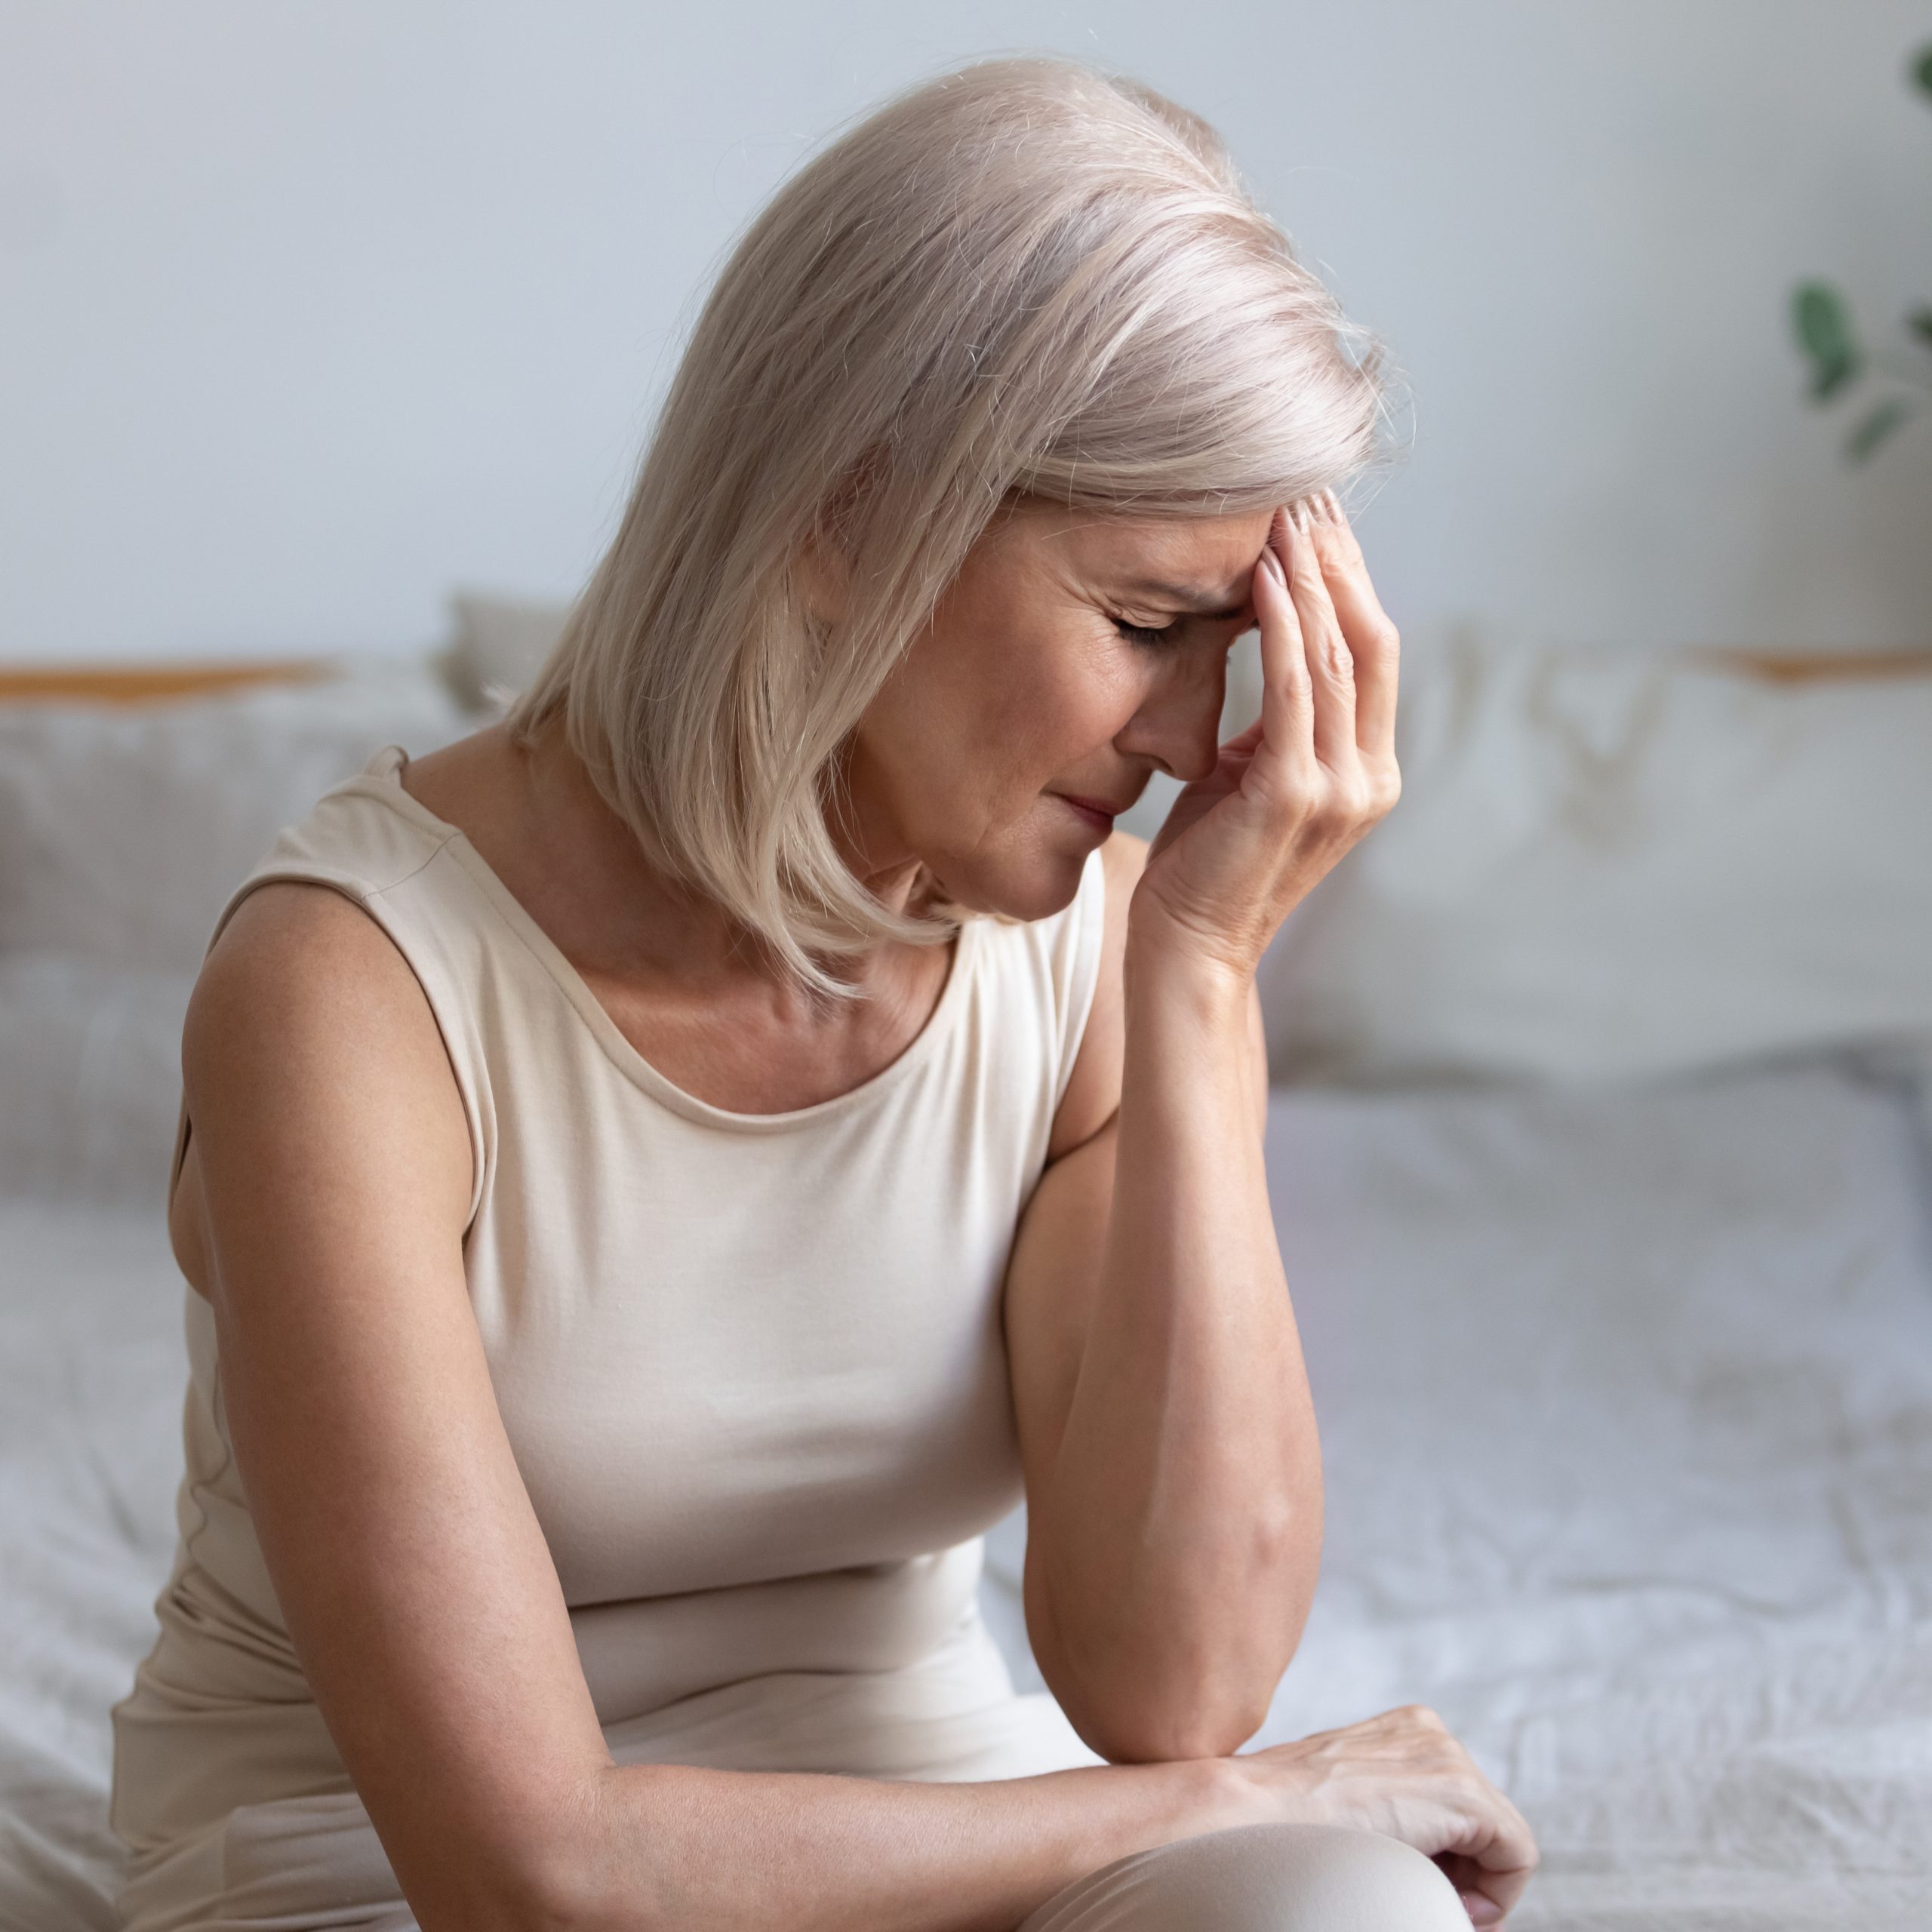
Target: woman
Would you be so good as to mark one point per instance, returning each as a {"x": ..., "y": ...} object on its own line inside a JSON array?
[{"x": 659, "y": 1176}]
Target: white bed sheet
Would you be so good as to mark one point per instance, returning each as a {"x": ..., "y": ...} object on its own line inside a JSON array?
[
  {"x": 1627, "y": 1408},
  {"x": 93, "y": 1372}
]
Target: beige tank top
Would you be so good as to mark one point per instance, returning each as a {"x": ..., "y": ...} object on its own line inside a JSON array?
[{"x": 751, "y": 1365}]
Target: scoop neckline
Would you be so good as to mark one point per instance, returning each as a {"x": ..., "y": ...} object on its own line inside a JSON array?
[{"x": 386, "y": 768}]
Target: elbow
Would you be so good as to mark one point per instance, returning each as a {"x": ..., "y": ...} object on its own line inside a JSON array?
[
  {"x": 561, "y": 1878},
  {"x": 522, "y": 1891},
  {"x": 1170, "y": 1688},
  {"x": 1164, "y": 1709},
  {"x": 1156, "y": 1736}
]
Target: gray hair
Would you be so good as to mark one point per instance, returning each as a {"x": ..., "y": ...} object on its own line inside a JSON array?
[{"x": 1026, "y": 279}]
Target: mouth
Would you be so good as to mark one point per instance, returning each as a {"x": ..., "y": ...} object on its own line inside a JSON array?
[{"x": 1094, "y": 811}]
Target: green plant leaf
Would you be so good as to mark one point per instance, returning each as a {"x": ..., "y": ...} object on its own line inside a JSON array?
[
  {"x": 1874, "y": 427},
  {"x": 1822, "y": 325},
  {"x": 1920, "y": 322},
  {"x": 1921, "y": 69}
]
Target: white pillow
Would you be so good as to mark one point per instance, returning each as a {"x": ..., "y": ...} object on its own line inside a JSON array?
[
  {"x": 90, "y": 1067},
  {"x": 497, "y": 645},
  {"x": 1613, "y": 864},
  {"x": 123, "y": 828}
]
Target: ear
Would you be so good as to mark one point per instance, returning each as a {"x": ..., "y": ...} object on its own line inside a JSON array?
[
  {"x": 824, "y": 569},
  {"x": 823, "y": 575}
]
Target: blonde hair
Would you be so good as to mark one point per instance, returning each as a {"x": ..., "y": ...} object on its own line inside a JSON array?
[{"x": 1026, "y": 279}]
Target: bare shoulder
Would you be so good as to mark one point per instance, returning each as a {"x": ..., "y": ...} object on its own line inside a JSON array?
[
  {"x": 311, "y": 1060},
  {"x": 1093, "y": 1093},
  {"x": 300, "y": 969}
]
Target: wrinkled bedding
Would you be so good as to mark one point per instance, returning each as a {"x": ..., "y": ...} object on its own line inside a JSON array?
[{"x": 1627, "y": 1409}]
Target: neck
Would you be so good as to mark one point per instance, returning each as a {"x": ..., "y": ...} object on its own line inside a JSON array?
[{"x": 645, "y": 916}]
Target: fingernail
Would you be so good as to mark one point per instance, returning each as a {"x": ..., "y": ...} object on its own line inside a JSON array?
[{"x": 1272, "y": 565}]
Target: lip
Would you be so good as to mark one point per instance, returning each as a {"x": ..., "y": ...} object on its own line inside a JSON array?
[{"x": 1093, "y": 810}]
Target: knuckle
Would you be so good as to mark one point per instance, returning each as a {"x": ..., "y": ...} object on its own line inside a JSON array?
[
  {"x": 1351, "y": 800},
  {"x": 1327, "y": 819}
]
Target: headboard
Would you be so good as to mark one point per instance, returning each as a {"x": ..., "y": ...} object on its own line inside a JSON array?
[
  {"x": 149, "y": 683},
  {"x": 163, "y": 679},
  {"x": 1783, "y": 667}
]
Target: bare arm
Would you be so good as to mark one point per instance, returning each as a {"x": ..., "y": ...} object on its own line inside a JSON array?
[
  {"x": 322, "y": 1210},
  {"x": 1173, "y": 1477},
  {"x": 1173, "y": 1472}
]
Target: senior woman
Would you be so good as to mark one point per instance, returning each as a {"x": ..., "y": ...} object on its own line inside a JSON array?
[{"x": 659, "y": 1176}]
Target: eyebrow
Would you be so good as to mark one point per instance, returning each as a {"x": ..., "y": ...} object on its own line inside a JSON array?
[{"x": 1187, "y": 597}]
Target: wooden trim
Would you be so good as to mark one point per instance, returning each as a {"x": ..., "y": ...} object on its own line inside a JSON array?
[
  {"x": 1817, "y": 667},
  {"x": 149, "y": 683},
  {"x": 162, "y": 681}
]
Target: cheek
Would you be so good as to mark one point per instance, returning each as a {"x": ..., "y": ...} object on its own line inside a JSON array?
[
  {"x": 1082, "y": 698},
  {"x": 978, "y": 724},
  {"x": 1051, "y": 709}
]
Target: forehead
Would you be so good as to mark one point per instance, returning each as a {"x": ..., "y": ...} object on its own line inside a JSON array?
[{"x": 1209, "y": 554}]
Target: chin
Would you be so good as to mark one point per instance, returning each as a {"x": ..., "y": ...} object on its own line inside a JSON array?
[{"x": 1032, "y": 882}]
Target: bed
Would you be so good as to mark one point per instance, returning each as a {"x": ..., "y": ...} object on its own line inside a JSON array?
[{"x": 1624, "y": 1368}]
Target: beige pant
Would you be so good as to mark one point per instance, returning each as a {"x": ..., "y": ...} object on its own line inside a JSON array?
[
  {"x": 1261, "y": 1879},
  {"x": 313, "y": 1863},
  {"x": 1251, "y": 1878}
]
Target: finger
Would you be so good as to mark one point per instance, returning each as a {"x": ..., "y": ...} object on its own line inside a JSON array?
[
  {"x": 1244, "y": 745},
  {"x": 1483, "y": 1910},
  {"x": 1331, "y": 669},
  {"x": 1372, "y": 640},
  {"x": 1477, "y": 1891},
  {"x": 1476, "y": 1888},
  {"x": 1286, "y": 698},
  {"x": 1500, "y": 1867}
]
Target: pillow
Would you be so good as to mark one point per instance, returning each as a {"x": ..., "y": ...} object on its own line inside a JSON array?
[
  {"x": 497, "y": 645},
  {"x": 1612, "y": 864},
  {"x": 91, "y": 1065},
  {"x": 123, "y": 828}
]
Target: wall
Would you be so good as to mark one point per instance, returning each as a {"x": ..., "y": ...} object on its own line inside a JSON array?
[{"x": 309, "y": 311}]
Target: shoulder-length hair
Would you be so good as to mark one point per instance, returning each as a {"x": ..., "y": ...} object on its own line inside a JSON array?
[{"x": 1026, "y": 279}]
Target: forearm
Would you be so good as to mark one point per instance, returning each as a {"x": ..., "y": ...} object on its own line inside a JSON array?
[
  {"x": 1173, "y": 1548},
  {"x": 673, "y": 1846}
]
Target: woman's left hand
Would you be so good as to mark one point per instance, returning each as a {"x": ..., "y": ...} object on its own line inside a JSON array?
[{"x": 1243, "y": 846}]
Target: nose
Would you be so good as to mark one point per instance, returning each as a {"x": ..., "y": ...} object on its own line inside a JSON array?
[{"x": 1179, "y": 724}]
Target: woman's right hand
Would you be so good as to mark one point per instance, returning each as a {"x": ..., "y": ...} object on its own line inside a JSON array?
[{"x": 1403, "y": 1775}]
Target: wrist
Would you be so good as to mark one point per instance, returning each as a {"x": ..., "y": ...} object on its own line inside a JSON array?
[
  {"x": 1228, "y": 1793},
  {"x": 1159, "y": 969}
]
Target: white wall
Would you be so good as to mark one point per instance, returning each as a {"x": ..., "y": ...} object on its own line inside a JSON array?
[{"x": 310, "y": 311}]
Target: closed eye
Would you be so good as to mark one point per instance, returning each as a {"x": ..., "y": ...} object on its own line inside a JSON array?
[{"x": 1146, "y": 634}]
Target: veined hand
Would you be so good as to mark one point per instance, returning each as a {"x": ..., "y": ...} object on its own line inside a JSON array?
[{"x": 1245, "y": 844}]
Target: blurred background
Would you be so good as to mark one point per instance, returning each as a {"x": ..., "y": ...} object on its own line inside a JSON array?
[
  {"x": 309, "y": 312},
  {"x": 1600, "y": 1144}
]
